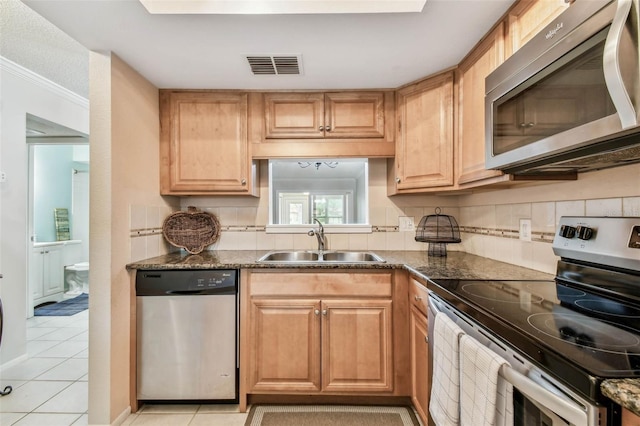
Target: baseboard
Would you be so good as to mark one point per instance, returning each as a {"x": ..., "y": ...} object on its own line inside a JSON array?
[
  {"x": 13, "y": 362},
  {"x": 122, "y": 417}
]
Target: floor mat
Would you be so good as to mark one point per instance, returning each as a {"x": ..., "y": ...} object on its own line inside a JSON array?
[
  {"x": 330, "y": 415},
  {"x": 64, "y": 308}
]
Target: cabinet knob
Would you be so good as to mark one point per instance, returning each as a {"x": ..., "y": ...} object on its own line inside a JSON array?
[
  {"x": 417, "y": 298},
  {"x": 527, "y": 125},
  {"x": 328, "y": 128},
  {"x": 426, "y": 339},
  {"x": 324, "y": 312},
  {"x": 321, "y": 128},
  {"x": 317, "y": 312},
  {"x": 397, "y": 180},
  {"x": 243, "y": 181}
]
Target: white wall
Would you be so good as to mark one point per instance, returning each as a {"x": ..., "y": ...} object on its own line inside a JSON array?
[{"x": 23, "y": 92}]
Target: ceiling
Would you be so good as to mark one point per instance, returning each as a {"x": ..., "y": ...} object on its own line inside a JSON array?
[{"x": 338, "y": 51}]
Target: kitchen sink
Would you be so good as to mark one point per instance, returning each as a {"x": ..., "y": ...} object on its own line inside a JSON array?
[
  {"x": 351, "y": 256},
  {"x": 290, "y": 256},
  {"x": 296, "y": 256}
]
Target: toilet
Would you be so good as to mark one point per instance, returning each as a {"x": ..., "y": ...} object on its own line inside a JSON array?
[{"x": 77, "y": 279}]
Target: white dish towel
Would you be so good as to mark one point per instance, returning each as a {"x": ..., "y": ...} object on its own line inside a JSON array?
[
  {"x": 444, "y": 404},
  {"x": 486, "y": 398}
]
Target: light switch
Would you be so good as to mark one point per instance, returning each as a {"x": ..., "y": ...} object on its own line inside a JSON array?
[
  {"x": 525, "y": 229},
  {"x": 405, "y": 223}
]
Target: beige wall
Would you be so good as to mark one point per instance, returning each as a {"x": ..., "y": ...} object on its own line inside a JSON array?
[{"x": 125, "y": 170}]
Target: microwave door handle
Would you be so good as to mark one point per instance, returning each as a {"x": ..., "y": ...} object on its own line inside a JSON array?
[
  {"x": 563, "y": 407},
  {"x": 611, "y": 65}
]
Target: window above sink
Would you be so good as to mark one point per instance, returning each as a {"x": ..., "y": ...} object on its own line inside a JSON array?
[{"x": 332, "y": 190}]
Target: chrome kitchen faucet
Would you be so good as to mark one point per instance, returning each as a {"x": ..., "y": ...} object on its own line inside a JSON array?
[{"x": 319, "y": 235}]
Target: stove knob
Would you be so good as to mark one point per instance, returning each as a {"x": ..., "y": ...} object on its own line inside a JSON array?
[
  {"x": 584, "y": 232},
  {"x": 567, "y": 231}
]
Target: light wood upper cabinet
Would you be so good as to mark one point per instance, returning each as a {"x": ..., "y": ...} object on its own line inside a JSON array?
[
  {"x": 203, "y": 143},
  {"x": 424, "y": 142},
  {"x": 324, "y": 115},
  {"x": 527, "y": 18},
  {"x": 323, "y": 124},
  {"x": 470, "y": 77},
  {"x": 294, "y": 115}
]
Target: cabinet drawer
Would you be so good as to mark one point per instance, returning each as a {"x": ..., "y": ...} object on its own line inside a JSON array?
[
  {"x": 343, "y": 284},
  {"x": 418, "y": 295}
]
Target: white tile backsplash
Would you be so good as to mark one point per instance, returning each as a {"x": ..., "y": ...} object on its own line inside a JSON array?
[
  {"x": 604, "y": 207},
  {"x": 631, "y": 207},
  {"x": 543, "y": 217},
  {"x": 138, "y": 217},
  {"x": 489, "y": 210},
  {"x": 569, "y": 208}
]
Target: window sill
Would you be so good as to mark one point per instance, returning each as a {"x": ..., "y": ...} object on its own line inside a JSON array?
[{"x": 328, "y": 229}]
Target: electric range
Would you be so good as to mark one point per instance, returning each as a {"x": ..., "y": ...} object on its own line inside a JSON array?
[{"x": 584, "y": 326}]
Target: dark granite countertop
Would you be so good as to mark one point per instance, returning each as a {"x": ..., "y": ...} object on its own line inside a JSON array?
[
  {"x": 456, "y": 265},
  {"x": 625, "y": 392}
]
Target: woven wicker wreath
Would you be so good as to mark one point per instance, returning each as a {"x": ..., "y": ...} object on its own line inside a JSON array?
[{"x": 192, "y": 230}]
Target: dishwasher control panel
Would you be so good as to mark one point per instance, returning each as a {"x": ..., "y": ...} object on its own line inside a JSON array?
[{"x": 186, "y": 282}]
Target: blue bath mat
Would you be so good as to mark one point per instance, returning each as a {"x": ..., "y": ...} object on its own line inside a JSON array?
[{"x": 64, "y": 308}]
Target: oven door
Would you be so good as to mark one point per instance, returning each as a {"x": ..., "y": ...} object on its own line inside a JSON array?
[{"x": 538, "y": 398}]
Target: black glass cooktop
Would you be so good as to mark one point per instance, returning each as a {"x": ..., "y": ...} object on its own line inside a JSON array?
[{"x": 578, "y": 336}]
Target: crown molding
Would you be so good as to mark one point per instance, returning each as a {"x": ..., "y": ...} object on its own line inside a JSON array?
[{"x": 36, "y": 79}]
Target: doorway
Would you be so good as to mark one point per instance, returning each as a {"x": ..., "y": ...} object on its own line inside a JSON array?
[{"x": 58, "y": 213}]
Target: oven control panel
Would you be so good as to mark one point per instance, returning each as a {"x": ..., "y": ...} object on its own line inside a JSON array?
[{"x": 611, "y": 241}]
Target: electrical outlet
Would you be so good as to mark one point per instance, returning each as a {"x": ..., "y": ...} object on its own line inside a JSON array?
[
  {"x": 405, "y": 223},
  {"x": 525, "y": 229},
  {"x": 3, "y": 177}
]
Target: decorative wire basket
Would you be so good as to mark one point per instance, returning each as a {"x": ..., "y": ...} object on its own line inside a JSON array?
[
  {"x": 192, "y": 230},
  {"x": 438, "y": 230}
]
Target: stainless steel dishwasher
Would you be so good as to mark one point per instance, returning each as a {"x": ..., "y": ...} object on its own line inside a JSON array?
[{"x": 187, "y": 335}]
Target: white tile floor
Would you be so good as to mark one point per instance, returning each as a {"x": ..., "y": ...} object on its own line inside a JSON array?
[
  {"x": 50, "y": 386},
  {"x": 183, "y": 415}
]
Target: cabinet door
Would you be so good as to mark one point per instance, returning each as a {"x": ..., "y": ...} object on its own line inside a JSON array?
[
  {"x": 294, "y": 115},
  {"x": 36, "y": 274},
  {"x": 424, "y": 146},
  {"x": 52, "y": 271},
  {"x": 420, "y": 387},
  {"x": 471, "y": 127},
  {"x": 354, "y": 115},
  {"x": 285, "y": 345},
  {"x": 528, "y": 18},
  {"x": 205, "y": 134},
  {"x": 357, "y": 346}
]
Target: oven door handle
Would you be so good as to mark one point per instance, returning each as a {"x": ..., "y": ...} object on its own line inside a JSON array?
[{"x": 567, "y": 409}]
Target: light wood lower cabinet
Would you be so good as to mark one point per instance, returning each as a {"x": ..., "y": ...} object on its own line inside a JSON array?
[
  {"x": 320, "y": 333},
  {"x": 629, "y": 418},
  {"x": 420, "y": 374}
]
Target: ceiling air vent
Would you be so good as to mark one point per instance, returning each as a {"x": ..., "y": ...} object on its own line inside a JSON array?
[{"x": 275, "y": 65}]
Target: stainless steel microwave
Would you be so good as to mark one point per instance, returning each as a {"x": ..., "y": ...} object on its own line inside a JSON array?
[{"x": 569, "y": 100}]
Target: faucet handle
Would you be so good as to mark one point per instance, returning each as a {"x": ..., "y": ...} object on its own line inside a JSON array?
[{"x": 311, "y": 232}]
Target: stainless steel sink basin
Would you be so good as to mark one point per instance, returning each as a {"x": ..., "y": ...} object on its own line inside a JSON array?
[
  {"x": 295, "y": 256},
  {"x": 290, "y": 256},
  {"x": 351, "y": 257}
]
